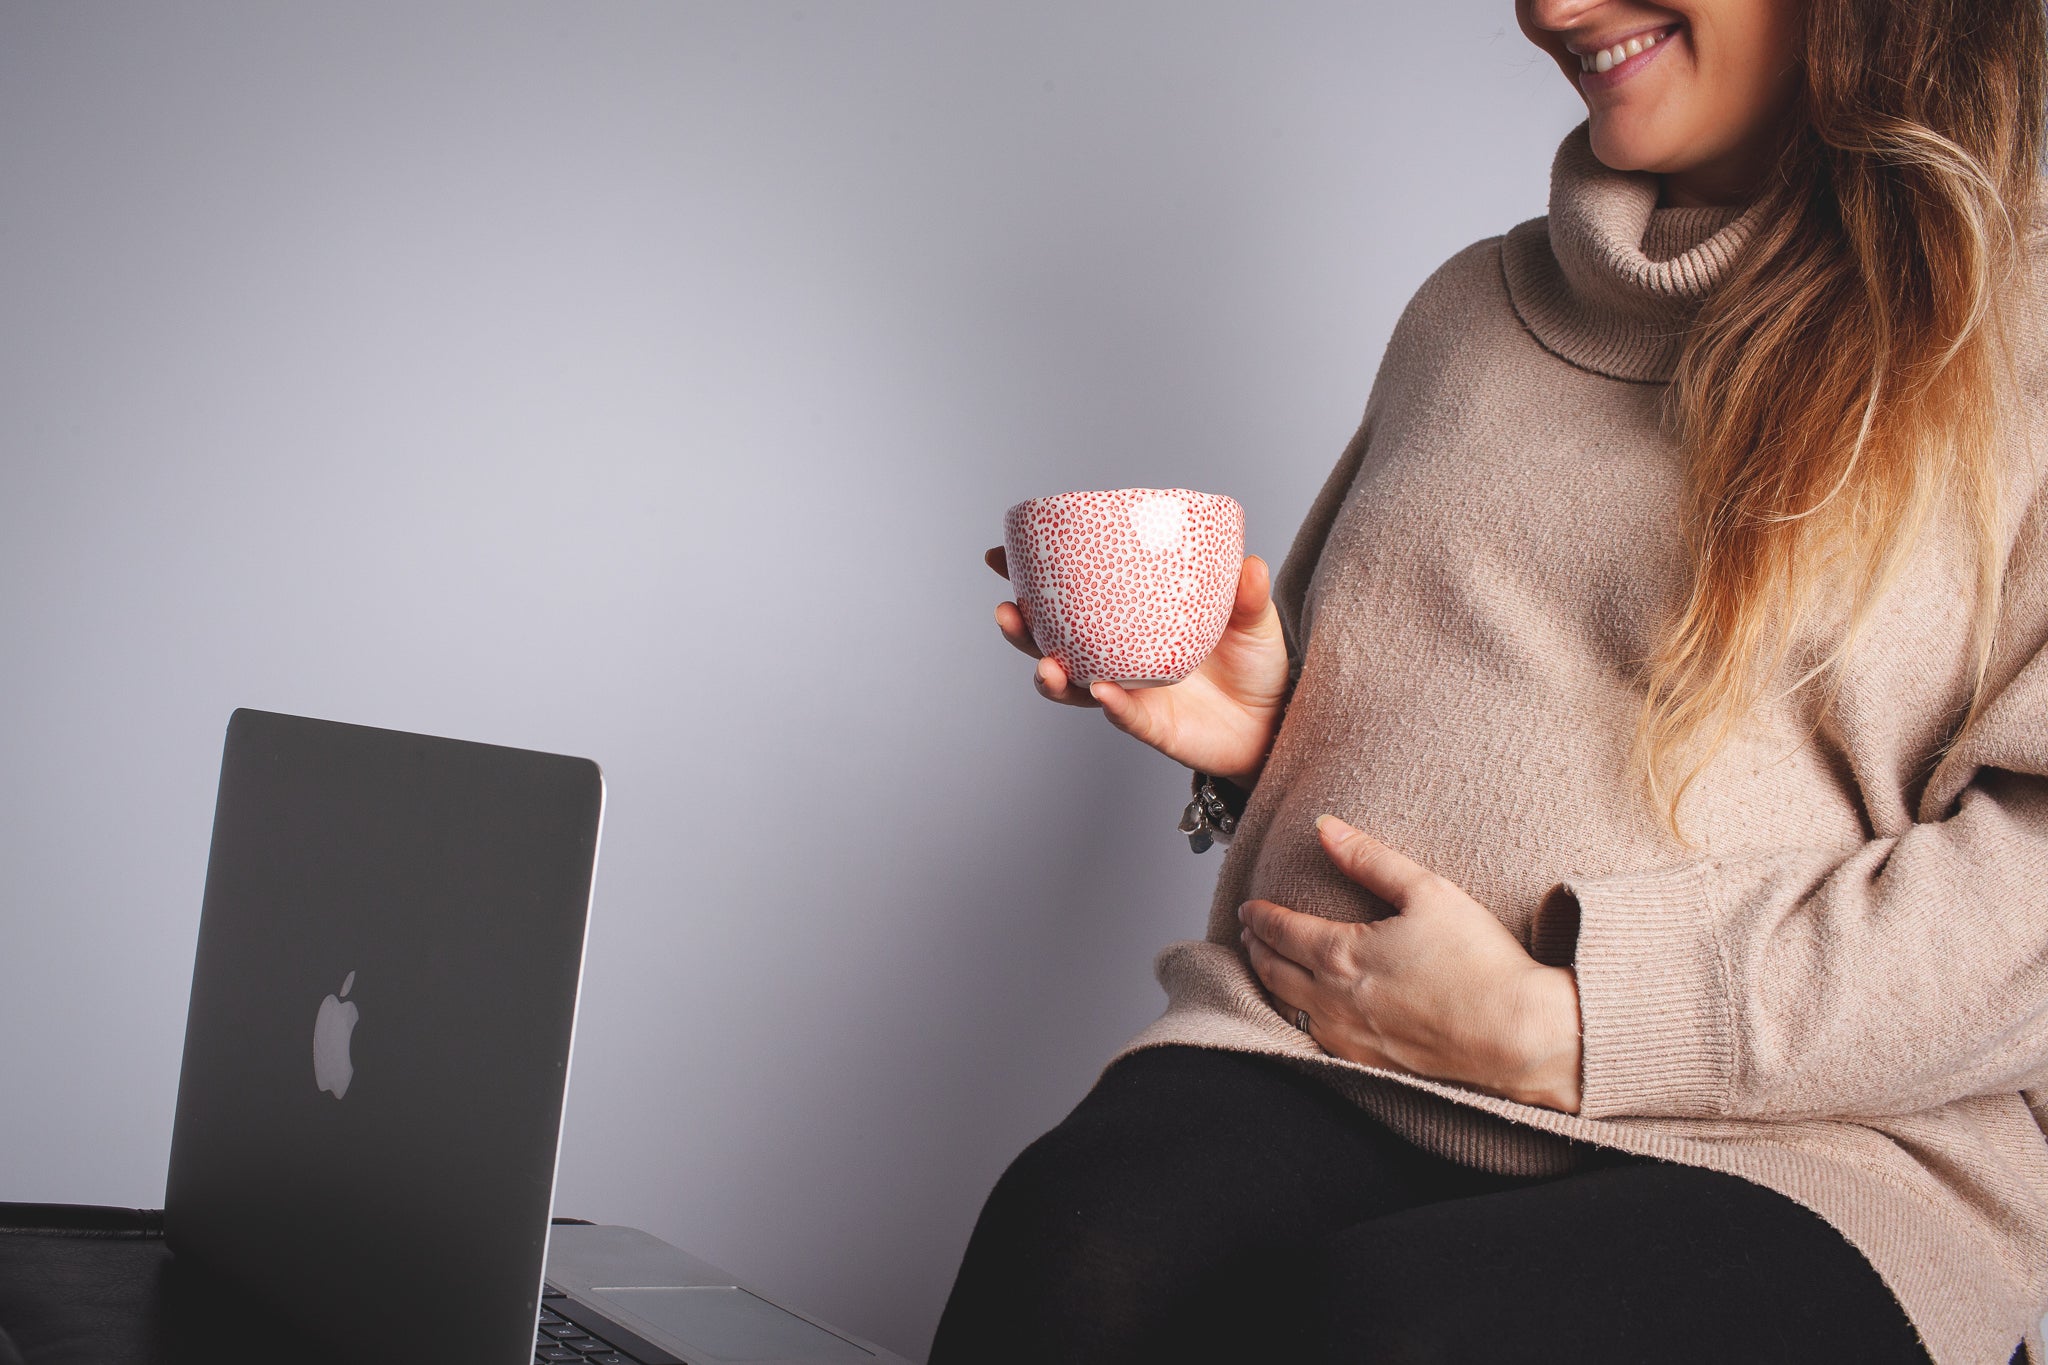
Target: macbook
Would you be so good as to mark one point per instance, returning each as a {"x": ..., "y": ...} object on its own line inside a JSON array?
[{"x": 376, "y": 1056}]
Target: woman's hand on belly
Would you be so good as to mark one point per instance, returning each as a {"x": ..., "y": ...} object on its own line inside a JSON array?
[
  {"x": 1439, "y": 989},
  {"x": 1221, "y": 718}
]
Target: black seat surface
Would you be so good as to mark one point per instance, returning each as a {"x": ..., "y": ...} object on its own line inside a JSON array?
[{"x": 87, "y": 1285}]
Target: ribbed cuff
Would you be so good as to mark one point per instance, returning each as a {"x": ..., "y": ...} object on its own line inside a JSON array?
[{"x": 1657, "y": 1024}]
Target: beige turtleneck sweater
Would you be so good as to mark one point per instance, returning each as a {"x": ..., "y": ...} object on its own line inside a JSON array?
[{"x": 1840, "y": 991}]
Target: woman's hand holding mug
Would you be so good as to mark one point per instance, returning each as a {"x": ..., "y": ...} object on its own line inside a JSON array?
[{"x": 1222, "y": 717}]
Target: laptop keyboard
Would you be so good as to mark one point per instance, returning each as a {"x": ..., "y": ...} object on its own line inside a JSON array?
[{"x": 561, "y": 1339}]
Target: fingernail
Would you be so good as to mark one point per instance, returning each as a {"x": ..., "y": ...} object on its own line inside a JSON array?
[
  {"x": 1240, "y": 912},
  {"x": 1340, "y": 831},
  {"x": 1244, "y": 936}
]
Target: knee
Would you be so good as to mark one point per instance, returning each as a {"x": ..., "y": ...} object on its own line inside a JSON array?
[
  {"x": 1061, "y": 1212},
  {"x": 1061, "y": 1266}
]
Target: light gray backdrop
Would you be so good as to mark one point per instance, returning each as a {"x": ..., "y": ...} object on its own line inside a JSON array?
[{"x": 644, "y": 382}]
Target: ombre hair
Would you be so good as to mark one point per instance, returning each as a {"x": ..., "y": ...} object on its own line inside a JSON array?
[{"x": 1838, "y": 391}]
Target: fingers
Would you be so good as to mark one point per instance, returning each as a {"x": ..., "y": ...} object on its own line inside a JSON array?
[
  {"x": 1394, "y": 877},
  {"x": 1010, "y": 621},
  {"x": 1049, "y": 678},
  {"x": 1009, "y": 617},
  {"x": 1288, "y": 981},
  {"x": 1309, "y": 940},
  {"x": 1051, "y": 681}
]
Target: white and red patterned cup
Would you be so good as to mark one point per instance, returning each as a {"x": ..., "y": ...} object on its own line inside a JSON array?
[{"x": 1133, "y": 585}]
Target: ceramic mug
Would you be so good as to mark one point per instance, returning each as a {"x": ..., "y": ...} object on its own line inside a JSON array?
[{"x": 1132, "y": 585}]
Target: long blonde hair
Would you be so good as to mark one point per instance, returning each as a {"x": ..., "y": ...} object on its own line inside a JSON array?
[{"x": 1837, "y": 391}]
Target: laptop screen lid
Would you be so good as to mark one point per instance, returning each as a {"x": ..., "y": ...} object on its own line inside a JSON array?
[{"x": 377, "y": 1048}]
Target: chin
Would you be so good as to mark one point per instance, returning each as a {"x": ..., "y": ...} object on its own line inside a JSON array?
[{"x": 1623, "y": 144}]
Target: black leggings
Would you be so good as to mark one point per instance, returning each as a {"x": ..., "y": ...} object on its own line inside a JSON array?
[{"x": 1211, "y": 1206}]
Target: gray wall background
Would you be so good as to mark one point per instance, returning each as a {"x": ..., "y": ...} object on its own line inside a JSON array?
[{"x": 644, "y": 382}]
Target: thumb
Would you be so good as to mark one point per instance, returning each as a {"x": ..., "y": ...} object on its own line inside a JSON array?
[
  {"x": 1123, "y": 710},
  {"x": 1254, "y": 594},
  {"x": 1391, "y": 875}
]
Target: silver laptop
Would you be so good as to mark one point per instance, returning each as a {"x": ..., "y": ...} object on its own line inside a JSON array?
[{"x": 375, "y": 1061}]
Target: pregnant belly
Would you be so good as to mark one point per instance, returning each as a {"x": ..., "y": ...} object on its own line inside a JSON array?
[{"x": 1504, "y": 814}]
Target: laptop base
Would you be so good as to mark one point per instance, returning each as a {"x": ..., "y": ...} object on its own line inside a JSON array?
[{"x": 679, "y": 1309}]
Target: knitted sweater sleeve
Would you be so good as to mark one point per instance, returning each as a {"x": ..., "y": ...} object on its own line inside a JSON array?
[{"x": 1800, "y": 983}]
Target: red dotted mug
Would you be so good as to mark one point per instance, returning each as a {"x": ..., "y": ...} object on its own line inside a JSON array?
[{"x": 1133, "y": 585}]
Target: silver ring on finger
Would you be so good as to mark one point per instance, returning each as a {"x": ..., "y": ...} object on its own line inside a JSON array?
[{"x": 1301, "y": 1020}]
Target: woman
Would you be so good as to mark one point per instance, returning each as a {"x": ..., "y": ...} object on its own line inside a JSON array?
[{"x": 1671, "y": 645}]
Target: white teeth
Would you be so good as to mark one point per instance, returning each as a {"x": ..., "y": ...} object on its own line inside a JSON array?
[{"x": 1608, "y": 58}]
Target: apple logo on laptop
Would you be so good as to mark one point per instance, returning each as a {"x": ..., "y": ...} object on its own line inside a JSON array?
[{"x": 332, "y": 1069}]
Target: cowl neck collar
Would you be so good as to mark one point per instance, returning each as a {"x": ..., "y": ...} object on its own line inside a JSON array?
[{"x": 1609, "y": 281}]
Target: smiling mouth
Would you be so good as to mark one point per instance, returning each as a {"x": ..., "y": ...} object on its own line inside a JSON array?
[{"x": 1607, "y": 58}]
